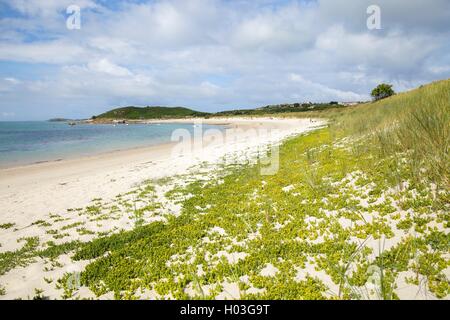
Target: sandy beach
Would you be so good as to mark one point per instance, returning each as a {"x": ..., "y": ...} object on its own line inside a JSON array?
[
  {"x": 31, "y": 193},
  {"x": 26, "y": 192}
]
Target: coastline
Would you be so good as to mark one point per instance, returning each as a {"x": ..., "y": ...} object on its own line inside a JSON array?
[
  {"x": 225, "y": 122},
  {"x": 108, "y": 140},
  {"x": 84, "y": 216},
  {"x": 34, "y": 195},
  {"x": 30, "y": 192}
]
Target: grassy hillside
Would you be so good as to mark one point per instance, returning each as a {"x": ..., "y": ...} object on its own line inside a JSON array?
[
  {"x": 416, "y": 123},
  {"x": 138, "y": 113},
  {"x": 282, "y": 109}
]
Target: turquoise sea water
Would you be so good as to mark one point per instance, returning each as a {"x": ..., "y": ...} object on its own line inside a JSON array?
[{"x": 31, "y": 142}]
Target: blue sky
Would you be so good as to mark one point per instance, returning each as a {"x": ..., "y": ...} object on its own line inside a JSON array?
[{"x": 211, "y": 55}]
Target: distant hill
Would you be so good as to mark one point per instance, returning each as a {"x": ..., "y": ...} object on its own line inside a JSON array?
[
  {"x": 143, "y": 113},
  {"x": 58, "y": 120},
  {"x": 281, "y": 108}
]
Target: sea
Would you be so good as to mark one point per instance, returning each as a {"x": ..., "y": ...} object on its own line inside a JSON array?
[{"x": 28, "y": 142}]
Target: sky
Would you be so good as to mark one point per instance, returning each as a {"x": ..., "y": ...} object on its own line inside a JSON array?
[{"x": 212, "y": 55}]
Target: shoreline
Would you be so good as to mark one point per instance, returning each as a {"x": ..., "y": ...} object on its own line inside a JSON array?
[
  {"x": 45, "y": 201},
  {"x": 26, "y": 163},
  {"x": 71, "y": 158},
  {"x": 30, "y": 191},
  {"x": 240, "y": 122}
]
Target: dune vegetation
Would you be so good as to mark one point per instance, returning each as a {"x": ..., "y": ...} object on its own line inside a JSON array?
[{"x": 358, "y": 209}]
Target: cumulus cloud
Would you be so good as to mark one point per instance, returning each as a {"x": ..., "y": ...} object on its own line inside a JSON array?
[
  {"x": 105, "y": 66},
  {"x": 214, "y": 54},
  {"x": 285, "y": 29},
  {"x": 52, "y": 52},
  {"x": 8, "y": 84},
  {"x": 320, "y": 89},
  {"x": 379, "y": 52}
]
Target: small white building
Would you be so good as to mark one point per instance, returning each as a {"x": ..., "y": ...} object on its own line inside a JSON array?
[{"x": 351, "y": 103}]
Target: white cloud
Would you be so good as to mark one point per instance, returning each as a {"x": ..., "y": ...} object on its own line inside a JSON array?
[
  {"x": 12, "y": 80},
  {"x": 214, "y": 54},
  {"x": 8, "y": 114},
  {"x": 105, "y": 66},
  {"x": 52, "y": 52},
  {"x": 9, "y": 84},
  {"x": 321, "y": 89},
  {"x": 386, "y": 52},
  {"x": 286, "y": 29},
  {"x": 440, "y": 69},
  {"x": 109, "y": 45}
]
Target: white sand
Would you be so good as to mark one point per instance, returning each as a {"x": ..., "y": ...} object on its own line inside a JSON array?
[{"x": 31, "y": 193}]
